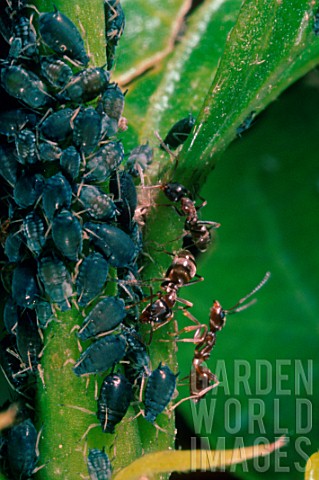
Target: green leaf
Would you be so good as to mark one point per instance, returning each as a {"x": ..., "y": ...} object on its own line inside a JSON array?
[
  {"x": 148, "y": 32},
  {"x": 272, "y": 45},
  {"x": 312, "y": 470},
  {"x": 191, "y": 460}
]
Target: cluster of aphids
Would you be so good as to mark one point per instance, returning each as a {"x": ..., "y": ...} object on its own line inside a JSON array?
[
  {"x": 69, "y": 214},
  {"x": 70, "y": 217}
]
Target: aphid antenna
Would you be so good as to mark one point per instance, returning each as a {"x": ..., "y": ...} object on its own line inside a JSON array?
[
  {"x": 237, "y": 308},
  {"x": 33, "y": 7},
  {"x": 75, "y": 114},
  {"x": 81, "y": 409},
  {"x": 37, "y": 203},
  {"x": 45, "y": 116}
]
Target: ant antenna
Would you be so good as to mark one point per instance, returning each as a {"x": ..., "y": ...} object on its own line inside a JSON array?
[{"x": 236, "y": 308}]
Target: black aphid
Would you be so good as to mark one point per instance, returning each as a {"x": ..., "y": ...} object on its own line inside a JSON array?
[
  {"x": 179, "y": 132},
  {"x": 101, "y": 355},
  {"x": 99, "y": 465},
  {"x": 62, "y": 36},
  {"x": 159, "y": 391},
  {"x": 114, "y": 400}
]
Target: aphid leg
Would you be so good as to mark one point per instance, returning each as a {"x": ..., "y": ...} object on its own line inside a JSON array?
[
  {"x": 160, "y": 429},
  {"x": 76, "y": 327},
  {"x": 75, "y": 303},
  {"x": 69, "y": 361},
  {"x": 140, "y": 396},
  {"x": 165, "y": 147},
  {"x": 41, "y": 374},
  {"x": 93, "y": 425},
  {"x": 96, "y": 389},
  {"x": 75, "y": 114},
  {"x": 81, "y": 409},
  {"x": 79, "y": 345}
]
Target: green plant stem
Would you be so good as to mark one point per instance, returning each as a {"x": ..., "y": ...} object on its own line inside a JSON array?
[{"x": 64, "y": 401}]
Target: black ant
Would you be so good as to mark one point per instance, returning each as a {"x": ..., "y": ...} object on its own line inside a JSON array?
[
  {"x": 197, "y": 231},
  {"x": 205, "y": 338},
  {"x": 180, "y": 273}
]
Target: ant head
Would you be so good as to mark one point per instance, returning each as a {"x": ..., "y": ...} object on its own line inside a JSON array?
[
  {"x": 217, "y": 316},
  {"x": 175, "y": 191}
]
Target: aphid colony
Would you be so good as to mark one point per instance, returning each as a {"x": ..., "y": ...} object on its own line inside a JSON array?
[
  {"x": 70, "y": 218},
  {"x": 65, "y": 229}
]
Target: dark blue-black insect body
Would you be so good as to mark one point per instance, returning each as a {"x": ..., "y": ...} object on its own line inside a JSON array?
[
  {"x": 101, "y": 355},
  {"x": 246, "y": 124},
  {"x": 14, "y": 51},
  {"x": 139, "y": 159},
  {"x": 12, "y": 247},
  {"x": 25, "y": 290},
  {"x": 10, "y": 315},
  {"x": 105, "y": 316},
  {"x": 21, "y": 441},
  {"x": 137, "y": 356},
  {"x": 109, "y": 126},
  {"x": 57, "y": 126},
  {"x": 99, "y": 465},
  {"x": 56, "y": 281},
  {"x": 10, "y": 363},
  {"x": 96, "y": 203},
  {"x": 49, "y": 152},
  {"x": 115, "y": 398},
  {"x": 55, "y": 71},
  {"x": 125, "y": 195},
  {"x": 23, "y": 30},
  {"x": 33, "y": 229},
  {"x": 8, "y": 164},
  {"x": 12, "y": 121},
  {"x": 25, "y": 143},
  {"x": 44, "y": 313},
  {"x": 115, "y": 245},
  {"x": 24, "y": 85},
  {"x": 62, "y": 36},
  {"x": 91, "y": 278},
  {"x": 87, "y": 85},
  {"x": 159, "y": 391},
  {"x": 316, "y": 23},
  {"x": 114, "y": 27},
  {"x": 87, "y": 129},
  {"x": 70, "y": 162},
  {"x": 179, "y": 132},
  {"x": 101, "y": 165},
  {"x": 67, "y": 234},
  {"x": 28, "y": 189},
  {"x": 29, "y": 342},
  {"x": 112, "y": 102},
  {"x": 57, "y": 193}
]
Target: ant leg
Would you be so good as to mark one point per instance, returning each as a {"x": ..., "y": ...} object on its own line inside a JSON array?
[{"x": 201, "y": 329}]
